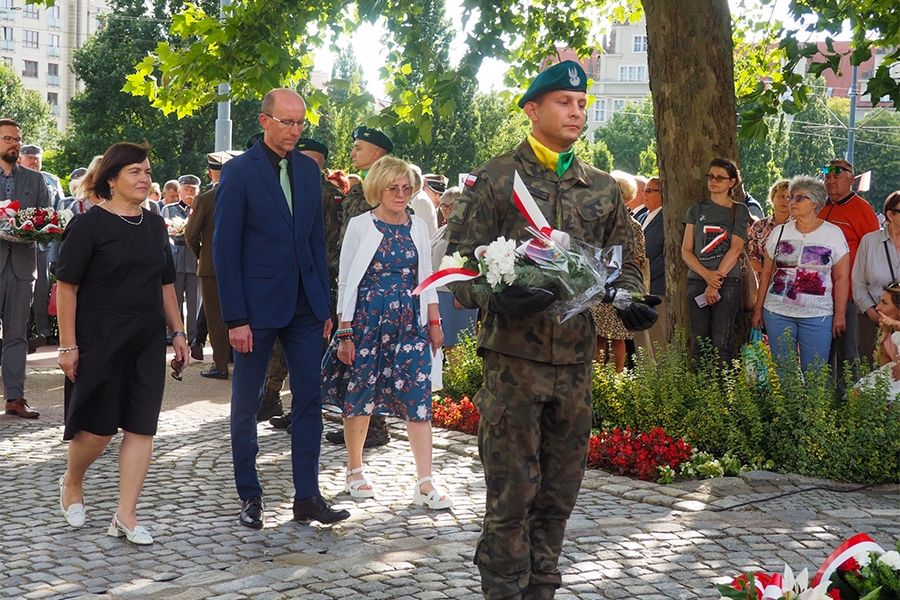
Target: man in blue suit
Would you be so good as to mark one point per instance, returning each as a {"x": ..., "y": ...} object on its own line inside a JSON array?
[{"x": 270, "y": 257}]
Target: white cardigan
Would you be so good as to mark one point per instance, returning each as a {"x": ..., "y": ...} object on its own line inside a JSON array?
[{"x": 358, "y": 247}]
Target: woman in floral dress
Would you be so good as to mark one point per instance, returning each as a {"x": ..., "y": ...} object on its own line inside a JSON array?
[{"x": 379, "y": 361}]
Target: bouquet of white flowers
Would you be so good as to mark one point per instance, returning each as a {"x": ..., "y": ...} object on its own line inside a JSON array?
[
  {"x": 578, "y": 274},
  {"x": 175, "y": 226}
]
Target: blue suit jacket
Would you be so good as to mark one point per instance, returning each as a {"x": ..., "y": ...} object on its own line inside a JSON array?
[
  {"x": 654, "y": 238},
  {"x": 261, "y": 253}
]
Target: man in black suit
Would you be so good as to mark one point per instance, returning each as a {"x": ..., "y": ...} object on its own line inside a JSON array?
[
  {"x": 18, "y": 268},
  {"x": 654, "y": 237}
]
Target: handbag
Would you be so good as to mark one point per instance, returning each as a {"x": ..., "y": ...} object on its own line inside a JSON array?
[{"x": 749, "y": 283}]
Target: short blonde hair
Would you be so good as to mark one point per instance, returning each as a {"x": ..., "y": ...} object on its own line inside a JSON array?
[
  {"x": 383, "y": 173},
  {"x": 626, "y": 183},
  {"x": 779, "y": 186}
]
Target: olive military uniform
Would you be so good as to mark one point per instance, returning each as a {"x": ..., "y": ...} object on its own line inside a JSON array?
[
  {"x": 333, "y": 203},
  {"x": 536, "y": 401}
]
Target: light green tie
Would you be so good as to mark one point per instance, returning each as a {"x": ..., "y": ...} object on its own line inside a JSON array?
[{"x": 285, "y": 182}]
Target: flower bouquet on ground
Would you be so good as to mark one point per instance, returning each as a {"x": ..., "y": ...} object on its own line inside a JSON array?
[
  {"x": 859, "y": 569},
  {"x": 578, "y": 274},
  {"x": 23, "y": 225},
  {"x": 176, "y": 226}
]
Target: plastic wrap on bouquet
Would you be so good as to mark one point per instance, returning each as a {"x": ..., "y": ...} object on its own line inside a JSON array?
[{"x": 22, "y": 226}]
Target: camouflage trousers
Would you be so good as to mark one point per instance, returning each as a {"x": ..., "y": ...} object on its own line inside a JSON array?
[
  {"x": 533, "y": 444},
  {"x": 278, "y": 370}
]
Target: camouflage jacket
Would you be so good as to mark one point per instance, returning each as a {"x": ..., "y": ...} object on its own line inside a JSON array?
[
  {"x": 354, "y": 204},
  {"x": 585, "y": 202},
  {"x": 333, "y": 205}
]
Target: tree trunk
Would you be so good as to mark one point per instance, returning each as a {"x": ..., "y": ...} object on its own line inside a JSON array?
[{"x": 691, "y": 68}]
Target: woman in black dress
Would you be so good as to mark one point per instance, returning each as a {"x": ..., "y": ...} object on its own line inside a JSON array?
[{"x": 115, "y": 298}]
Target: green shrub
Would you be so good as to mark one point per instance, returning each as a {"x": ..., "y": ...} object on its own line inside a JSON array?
[{"x": 462, "y": 370}]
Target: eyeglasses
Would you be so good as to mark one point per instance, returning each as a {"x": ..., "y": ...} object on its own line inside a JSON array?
[
  {"x": 893, "y": 286},
  {"x": 797, "y": 198},
  {"x": 8, "y": 139},
  {"x": 652, "y": 191},
  {"x": 835, "y": 170},
  {"x": 717, "y": 178},
  {"x": 396, "y": 190},
  {"x": 446, "y": 206},
  {"x": 177, "y": 369},
  {"x": 289, "y": 124}
]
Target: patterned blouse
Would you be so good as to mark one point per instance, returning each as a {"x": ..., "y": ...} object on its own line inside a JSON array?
[{"x": 757, "y": 234}]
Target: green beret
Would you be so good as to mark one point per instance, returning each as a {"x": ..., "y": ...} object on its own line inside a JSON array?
[
  {"x": 312, "y": 145},
  {"x": 373, "y": 136},
  {"x": 567, "y": 75}
]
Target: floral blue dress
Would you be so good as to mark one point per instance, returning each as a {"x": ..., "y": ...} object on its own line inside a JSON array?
[{"x": 391, "y": 374}]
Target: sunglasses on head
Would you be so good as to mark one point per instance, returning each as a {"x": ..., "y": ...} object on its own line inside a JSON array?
[{"x": 835, "y": 170}]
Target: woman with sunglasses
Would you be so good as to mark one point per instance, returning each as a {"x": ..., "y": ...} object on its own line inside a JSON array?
[
  {"x": 877, "y": 263},
  {"x": 806, "y": 275},
  {"x": 380, "y": 359},
  {"x": 714, "y": 237},
  {"x": 115, "y": 298}
]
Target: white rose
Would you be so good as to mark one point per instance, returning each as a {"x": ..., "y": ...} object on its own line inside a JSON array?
[{"x": 891, "y": 559}]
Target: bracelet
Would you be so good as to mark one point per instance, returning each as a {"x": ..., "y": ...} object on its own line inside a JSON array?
[
  {"x": 436, "y": 322},
  {"x": 179, "y": 333},
  {"x": 345, "y": 331},
  {"x": 69, "y": 349},
  {"x": 340, "y": 340}
]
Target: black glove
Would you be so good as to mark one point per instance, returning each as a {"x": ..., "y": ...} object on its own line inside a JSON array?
[
  {"x": 521, "y": 302},
  {"x": 638, "y": 317}
]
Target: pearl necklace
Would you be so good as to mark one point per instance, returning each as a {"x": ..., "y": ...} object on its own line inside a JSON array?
[{"x": 141, "y": 220}]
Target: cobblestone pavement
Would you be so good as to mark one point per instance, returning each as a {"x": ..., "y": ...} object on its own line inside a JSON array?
[{"x": 626, "y": 539}]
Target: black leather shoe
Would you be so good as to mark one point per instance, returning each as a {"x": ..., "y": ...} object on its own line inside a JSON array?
[
  {"x": 315, "y": 509},
  {"x": 213, "y": 374},
  {"x": 35, "y": 343},
  {"x": 197, "y": 351},
  {"x": 252, "y": 512},
  {"x": 281, "y": 421},
  {"x": 375, "y": 437},
  {"x": 270, "y": 407}
]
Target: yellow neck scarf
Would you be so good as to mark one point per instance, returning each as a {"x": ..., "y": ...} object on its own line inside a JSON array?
[{"x": 557, "y": 162}]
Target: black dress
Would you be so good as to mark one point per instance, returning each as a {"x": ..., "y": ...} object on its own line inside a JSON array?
[{"x": 120, "y": 324}]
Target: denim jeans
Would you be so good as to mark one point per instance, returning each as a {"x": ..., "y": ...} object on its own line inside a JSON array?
[
  {"x": 716, "y": 321},
  {"x": 812, "y": 333}
]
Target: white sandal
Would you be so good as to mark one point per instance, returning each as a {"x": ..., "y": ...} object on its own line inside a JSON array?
[
  {"x": 433, "y": 499},
  {"x": 353, "y": 487}
]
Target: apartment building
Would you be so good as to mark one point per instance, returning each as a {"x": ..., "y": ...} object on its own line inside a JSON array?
[{"x": 39, "y": 41}]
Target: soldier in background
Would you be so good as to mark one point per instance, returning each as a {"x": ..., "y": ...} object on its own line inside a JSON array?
[
  {"x": 368, "y": 146},
  {"x": 187, "y": 291},
  {"x": 198, "y": 236},
  {"x": 333, "y": 208},
  {"x": 536, "y": 401}
]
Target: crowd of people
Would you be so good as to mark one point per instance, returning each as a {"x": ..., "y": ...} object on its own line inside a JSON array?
[{"x": 288, "y": 268}]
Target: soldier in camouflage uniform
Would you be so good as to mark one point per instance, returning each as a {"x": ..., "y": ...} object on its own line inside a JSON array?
[
  {"x": 368, "y": 146},
  {"x": 536, "y": 401}
]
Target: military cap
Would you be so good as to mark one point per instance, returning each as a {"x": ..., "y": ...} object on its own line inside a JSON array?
[
  {"x": 437, "y": 183},
  {"x": 373, "y": 136},
  {"x": 215, "y": 160},
  {"x": 31, "y": 150},
  {"x": 78, "y": 173},
  {"x": 312, "y": 145},
  {"x": 567, "y": 75},
  {"x": 253, "y": 139},
  {"x": 189, "y": 180}
]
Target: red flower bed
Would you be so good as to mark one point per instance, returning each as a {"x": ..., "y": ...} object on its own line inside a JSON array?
[
  {"x": 458, "y": 416},
  {"x": 632, "y": 453}
]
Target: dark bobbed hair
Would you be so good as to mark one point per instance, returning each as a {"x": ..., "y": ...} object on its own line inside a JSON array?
[
  {"x": 117, "y": 157},
  {"x": 733, "y": 172}
]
